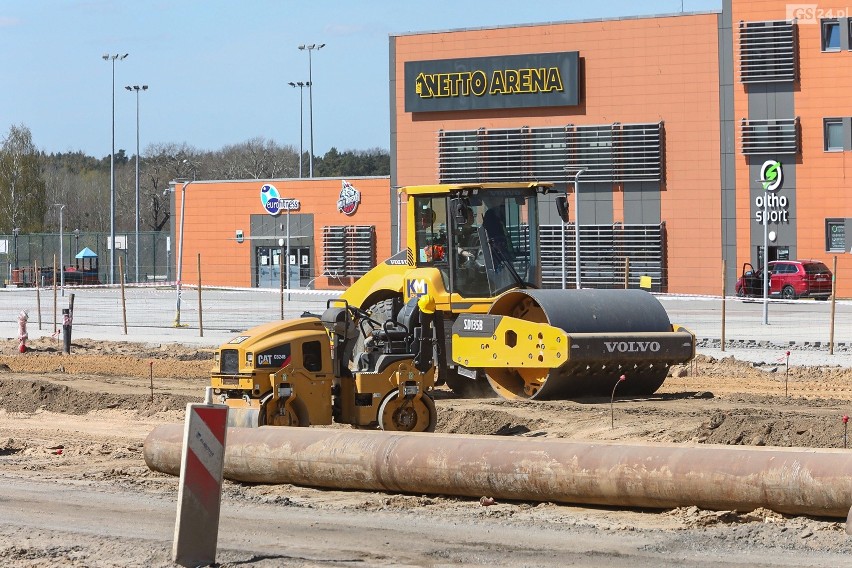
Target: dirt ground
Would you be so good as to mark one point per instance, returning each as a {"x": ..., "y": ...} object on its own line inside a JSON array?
[{"x": 83, "y": 418}]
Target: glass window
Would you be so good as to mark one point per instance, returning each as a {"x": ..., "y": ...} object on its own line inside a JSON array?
[
  {"x": 312, "y": 356},
  {"x": 833, "y": 135},
  {"x": 849, "y": 33},
  {"x": 830, "y": 35}
]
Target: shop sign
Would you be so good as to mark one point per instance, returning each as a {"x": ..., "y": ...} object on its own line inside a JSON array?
[
  {"x": 509, "y": 81},
  {"x": 349, "y": 198},
  {"x": 273, "y": 203},
  {"x": 776, "y": 206}
]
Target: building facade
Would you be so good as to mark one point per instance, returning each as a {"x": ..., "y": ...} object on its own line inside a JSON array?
[
  {"x": 336, "y": 229},
  {"x": 679, "y": 134}
]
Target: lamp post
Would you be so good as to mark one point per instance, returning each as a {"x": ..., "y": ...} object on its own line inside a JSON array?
[
  {"x": 137, "y": 88},
  {"x": 765, "y": 258},
  {"x": 287, "y": 259},
  {"x": 180, "y": 248},
  {"x": 577, "y": 223},
  {"x": 309, "y": 48},
  {"x": 112, "y": 58},
  {"x": 15, "y": 232},
  {"x": 301, "y": 86},
  {"x": 61, "y": 250}
]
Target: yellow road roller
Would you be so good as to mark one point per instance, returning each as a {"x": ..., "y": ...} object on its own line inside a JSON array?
[{"x": 460, "y": 305}]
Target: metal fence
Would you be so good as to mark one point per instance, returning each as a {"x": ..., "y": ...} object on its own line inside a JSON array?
[
  {"x": 155, "y": 261},
  {"x": 150, "y": 311}
]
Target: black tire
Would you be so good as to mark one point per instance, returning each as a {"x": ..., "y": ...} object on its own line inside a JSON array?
[
  {"x": 381, "y": 312},
  {"x": 407, "y": 416},
  {"x": 788, "y": 293}
]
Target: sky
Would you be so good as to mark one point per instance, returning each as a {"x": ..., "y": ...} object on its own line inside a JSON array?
[{"x": 217, "y": 71}]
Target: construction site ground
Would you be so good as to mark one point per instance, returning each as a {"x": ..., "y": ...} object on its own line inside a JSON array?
[{"x": 75, "y": 490}]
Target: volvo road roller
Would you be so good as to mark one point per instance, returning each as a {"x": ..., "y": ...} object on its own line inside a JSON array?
[{"x": 461, "y": 304}]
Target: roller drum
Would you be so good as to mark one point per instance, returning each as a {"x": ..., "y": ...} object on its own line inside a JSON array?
[{"x": 605, "y": 326}]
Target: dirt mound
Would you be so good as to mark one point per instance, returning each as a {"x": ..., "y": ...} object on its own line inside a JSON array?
[
  {"x": 114, "y": 358},
  {"x": 759, "y": 427},
  {"x": 28, "y": 396},
  {"x": 486, "y": 421}
]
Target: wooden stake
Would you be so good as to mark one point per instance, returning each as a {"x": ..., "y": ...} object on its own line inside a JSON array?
[
  {"x": 831, "y": 319},
  {"x": 200, "y": 319},
  {"x": 123, "y": 304},
  {"x": 723, "y": 305},
  {"x": 55, "y": 303},
  {"x": 38, "y": 292}
]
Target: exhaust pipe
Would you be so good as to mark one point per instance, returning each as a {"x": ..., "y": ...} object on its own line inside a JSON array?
[{"x": 796, "y": 481}]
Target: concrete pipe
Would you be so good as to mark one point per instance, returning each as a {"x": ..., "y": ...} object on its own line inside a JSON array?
[{"x": 797, "y": 481}]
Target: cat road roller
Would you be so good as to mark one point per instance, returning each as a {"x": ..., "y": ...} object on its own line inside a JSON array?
[
  {"x": 460, "y": 305},
  {"x": 295, "y": 372}
]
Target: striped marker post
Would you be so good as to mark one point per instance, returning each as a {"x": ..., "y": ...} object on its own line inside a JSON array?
[{"x": 200, "y": 493}]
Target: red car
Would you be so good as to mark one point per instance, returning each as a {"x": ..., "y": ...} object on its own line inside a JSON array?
[{"x": 789, "y": 279}]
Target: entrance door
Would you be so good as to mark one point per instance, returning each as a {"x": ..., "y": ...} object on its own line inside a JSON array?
[
  {"x": 268, "y": 263},
  {"x": 305, "y": 265},
  {"x": 775, "y": 253}
]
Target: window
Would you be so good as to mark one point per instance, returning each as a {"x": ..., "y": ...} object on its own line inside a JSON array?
[
  {"x": 312, "y": 356},
  {"x": 831, "y": 35},
  {"x": 768, "y": 51},
  {"x": 833, "y": 128}
]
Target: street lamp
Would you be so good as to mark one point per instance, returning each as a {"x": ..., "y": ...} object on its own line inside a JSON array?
[
  {"x": 61, "y": 250},
  {"x": 137, "y": 88},
  {"x": 576, "y": 224},
  {"x": 180, "y": 247},
  {"x": 310, "y": 48},
  {"x": 15, "y": 232},
  {"x": 301, "y": 86},
  {"x": 112, "y": 58}
]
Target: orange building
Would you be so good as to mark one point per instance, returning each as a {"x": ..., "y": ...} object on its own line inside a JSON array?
[
  {"x": 336, "y": 229},
  {"x": 666, "y": 122}
]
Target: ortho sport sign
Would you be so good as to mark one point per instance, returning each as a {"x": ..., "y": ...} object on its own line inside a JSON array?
[{"x": 511, "y": 81}]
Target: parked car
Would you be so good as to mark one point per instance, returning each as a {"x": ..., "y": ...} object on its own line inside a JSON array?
[{"x": 789, "y": 279}]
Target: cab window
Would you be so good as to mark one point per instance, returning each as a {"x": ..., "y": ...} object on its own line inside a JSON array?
[
  {"x": 312, "y": 356},
  {"x": 431, "y": 230}
]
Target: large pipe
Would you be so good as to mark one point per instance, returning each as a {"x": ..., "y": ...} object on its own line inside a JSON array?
[{"x": 799, "y": 481}]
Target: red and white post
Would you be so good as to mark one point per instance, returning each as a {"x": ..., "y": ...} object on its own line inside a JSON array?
[{"x": 200, "y": 492}]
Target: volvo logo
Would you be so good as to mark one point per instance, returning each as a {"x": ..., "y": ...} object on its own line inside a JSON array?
[{"x": 632, "y": 346}]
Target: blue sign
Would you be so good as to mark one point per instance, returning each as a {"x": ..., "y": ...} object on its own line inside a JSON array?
[{"x": 272, "y": 202}]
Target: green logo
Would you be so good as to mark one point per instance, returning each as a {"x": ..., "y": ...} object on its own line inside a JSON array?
[{"x": 770, "y": 175}]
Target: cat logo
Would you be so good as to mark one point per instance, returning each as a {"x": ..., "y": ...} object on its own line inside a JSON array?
[{"x": 264, "y": 360}]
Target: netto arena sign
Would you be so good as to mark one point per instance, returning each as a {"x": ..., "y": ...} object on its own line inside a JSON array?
[{"x": 511, "y": 81}]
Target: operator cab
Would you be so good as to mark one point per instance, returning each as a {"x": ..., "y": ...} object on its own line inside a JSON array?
[{"x": 483, "y": 242}]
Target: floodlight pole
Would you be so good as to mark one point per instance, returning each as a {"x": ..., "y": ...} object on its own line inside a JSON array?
[
  {"x": 180, "y": 252},
  {"x": 112, "y": 58}
]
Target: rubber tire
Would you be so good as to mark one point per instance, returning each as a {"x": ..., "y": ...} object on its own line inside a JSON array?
[
  {"x": 391, "y": 399},
  {"x": 788, "y": 293},
  {"x": 381, "y": 311}
]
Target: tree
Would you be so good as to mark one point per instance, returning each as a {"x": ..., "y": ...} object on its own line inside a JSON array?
[
  {"x": 22, "y": 187},
  {"x": 375, "y": 162}
]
